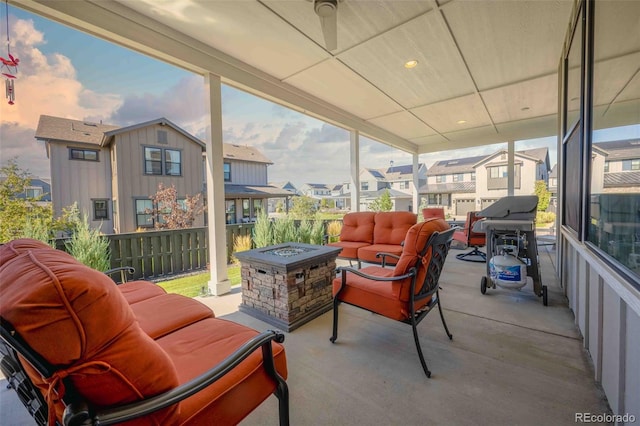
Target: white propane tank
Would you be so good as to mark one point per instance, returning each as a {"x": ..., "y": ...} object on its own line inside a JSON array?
[{"x": 508, "y": 271}]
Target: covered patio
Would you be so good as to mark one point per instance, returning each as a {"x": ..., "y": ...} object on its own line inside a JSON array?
[
  {"x": 487, "y": 72},
  {"x": 511, "y": 361}
]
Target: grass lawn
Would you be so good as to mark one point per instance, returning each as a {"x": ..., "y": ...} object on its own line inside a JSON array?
[{"x": 191, "y": 286}]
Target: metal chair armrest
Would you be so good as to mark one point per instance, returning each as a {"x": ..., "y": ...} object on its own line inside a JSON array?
[{"x": 123, "y": 270}]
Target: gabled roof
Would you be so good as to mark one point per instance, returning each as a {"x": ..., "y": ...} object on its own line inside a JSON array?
[
  {"x": 399, "y": 172},
  {"x": 620, "y": 150},
  {"x": 554, "y": 172},
  {"x": 243, "y": 153},
  {"x": 376, "y": 173},
  {"x": 539, "y": 155},
  {"x": 458, "y": 165},
  {"x": 65, "y": 129},
  {"x": 317, "y": 185},
  {"x": 284, "y": 185},
  {"x": 108, "y": 136}
]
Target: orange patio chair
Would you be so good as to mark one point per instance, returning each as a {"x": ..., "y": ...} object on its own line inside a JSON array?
[
  {"x": 472, "y": 239},
  {"x": 408, "y": 292}
]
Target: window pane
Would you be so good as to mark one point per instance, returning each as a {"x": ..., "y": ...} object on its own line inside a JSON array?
[
  {"x": 153, "y": 161},
  {"x": 230, "y": 210},
  {"x": 100, "y": 211},
  {"x": 91, "y": 155},
  {"x": 76, "y": 154},
  {"x": 227, "y": 172},
  {"x": 143, "y": 213},
  {"x": 614, "y": 215},
  {"x": 173, "y": 164},
  {"x": 245, "y": 207}
]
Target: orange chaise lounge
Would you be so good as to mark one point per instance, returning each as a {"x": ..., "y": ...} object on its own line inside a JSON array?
[{"x": 100, "y": 353}]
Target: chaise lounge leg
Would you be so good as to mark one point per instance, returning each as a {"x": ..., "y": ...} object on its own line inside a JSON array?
[
  {"x": 415, "y": 337},
  {"x": 446, "y": 329},
  {"x": 282, "y": 393}
]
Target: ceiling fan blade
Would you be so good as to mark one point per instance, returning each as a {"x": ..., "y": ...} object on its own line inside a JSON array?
[{"x": 329, "y": 26}]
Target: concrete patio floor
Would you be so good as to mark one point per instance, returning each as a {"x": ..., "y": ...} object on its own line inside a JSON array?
[{"x": 511, "y": 361}]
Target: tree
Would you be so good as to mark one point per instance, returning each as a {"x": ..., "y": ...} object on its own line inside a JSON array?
[
  {"x": 20, "y": 215},
  {"x": 543, "y": 195},
  {"x": 383, "y": 203},
  {"x": 173, "y": 213},
  {"x": 304, "y": 207}
]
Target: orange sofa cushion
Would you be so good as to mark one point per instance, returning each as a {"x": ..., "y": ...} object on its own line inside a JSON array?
[
  {"x": 358, "y": 227},
  {"x": 77, "y": 319},
  {"x": 391, "y": 227},
  {"x": 349, "y": 248},
  {"x": 166, "y": 313},
  {"x": 196, "y": 348},
  {"x": 381, "y": 297},
  {"x": 368, "y": 253},
  {"x": 136, "y": 291}
]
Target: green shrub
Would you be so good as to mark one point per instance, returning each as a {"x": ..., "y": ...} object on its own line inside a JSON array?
[
  {"x": 304, "y": 231},
  {"x": 89, "y": 247},
  {"x": 38, "y": 229},
  {"x": 284, "y": 230},
  {"x": 262, "y": 231},
  {"x": 545, "y": 218},
  {"x": 317, "y": 232}
]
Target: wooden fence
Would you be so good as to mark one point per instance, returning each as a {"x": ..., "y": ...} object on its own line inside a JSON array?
[{"x": 164, "y": 253}]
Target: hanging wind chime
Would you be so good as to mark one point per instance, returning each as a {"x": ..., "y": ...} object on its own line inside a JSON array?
[{"x": 9, "y": 66}]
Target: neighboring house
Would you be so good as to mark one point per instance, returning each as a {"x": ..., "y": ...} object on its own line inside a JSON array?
[
  {"x": 451, "y": 184},
  {"x": 284, "y": 202},
  {"x": 491, "y": 174},
  {"x": 38, "y": 189},
  {"x": 473, "y": 183},
  {"x": 401, "y": 177},
  {"x": 246, "y": 187},
  {"x": 111, "y": 172},
  {"x": 620, "y": 170}
]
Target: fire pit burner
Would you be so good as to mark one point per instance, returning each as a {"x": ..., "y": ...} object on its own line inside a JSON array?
[{"x": 288, "y": 251}]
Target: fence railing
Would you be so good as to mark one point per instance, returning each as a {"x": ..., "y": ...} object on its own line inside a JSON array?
[{"x": 158, "y": 254}]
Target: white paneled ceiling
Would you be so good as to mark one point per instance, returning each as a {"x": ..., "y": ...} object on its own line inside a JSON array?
[{"x": 489, "y": 63}]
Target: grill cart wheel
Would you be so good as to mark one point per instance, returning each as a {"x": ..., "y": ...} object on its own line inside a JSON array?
[
  {"x": 483, "y": 285},
  {"x": 544, "y": 295}
]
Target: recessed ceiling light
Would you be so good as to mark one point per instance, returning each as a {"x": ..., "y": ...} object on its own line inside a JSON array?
[
  {"x": 525, "y": 109},
  {"x": 461, "y": 121},
  {"x": 573, "y": 99},
  {"x": 411, "y": 64}
]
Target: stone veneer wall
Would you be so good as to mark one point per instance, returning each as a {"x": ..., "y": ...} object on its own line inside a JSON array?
[{"x": 292, "y": 298}]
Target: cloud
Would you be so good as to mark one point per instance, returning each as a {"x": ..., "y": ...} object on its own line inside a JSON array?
[
  {"x": 183, "y": 104},
  {"x": 45, "y": 84},
  {"x": 17, "y": 141}
]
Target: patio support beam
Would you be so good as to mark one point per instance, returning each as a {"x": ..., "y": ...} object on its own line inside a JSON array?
[
  {"x": 219, "y": 282},
  {"x": 511, "y": 169},
  {"x": 416, "y": 185},
  {"x": 354, "y": 154}
]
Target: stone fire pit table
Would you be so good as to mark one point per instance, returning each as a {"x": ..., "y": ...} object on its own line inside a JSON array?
[{"x": 287, "y": 285}]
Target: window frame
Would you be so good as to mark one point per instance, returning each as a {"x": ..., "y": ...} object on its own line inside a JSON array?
[
  {"x": 84, "y": 152},
  {"x": 149, "y": 223},
  {"x": 165, "y": 162},
  {"x": 95, "y": 210},
  {"x": 226, "y": 173}
]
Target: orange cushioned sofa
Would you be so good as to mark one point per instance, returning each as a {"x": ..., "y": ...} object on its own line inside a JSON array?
[
  {"x": 91, "y": 347},
  {"x": 365, "y": 234}
]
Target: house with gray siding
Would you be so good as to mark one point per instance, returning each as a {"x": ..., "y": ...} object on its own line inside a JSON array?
[{"x": 111, "y": 172}]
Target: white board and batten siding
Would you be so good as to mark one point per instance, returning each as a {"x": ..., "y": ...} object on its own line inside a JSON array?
[{"x": 247, "y": 172}]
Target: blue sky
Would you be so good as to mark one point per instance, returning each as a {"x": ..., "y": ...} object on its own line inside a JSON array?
[{"x": 70, "y": 74}]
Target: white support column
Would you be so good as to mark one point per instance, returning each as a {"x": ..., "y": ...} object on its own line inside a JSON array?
[
  {"x": 355, "y": 170},
  {"x": 511, "y": 169},
  {"x": 416, "y": 185},
  {"x": 219, "y": 282}
]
